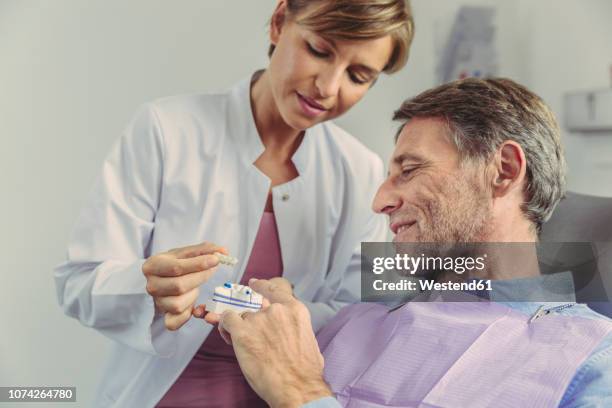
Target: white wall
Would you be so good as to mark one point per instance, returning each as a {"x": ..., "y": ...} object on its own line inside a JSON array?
[
  {"x": 371, "y": 119},
  {"x": 74, "y": 71},
  {"x": 568, "y": 46}
]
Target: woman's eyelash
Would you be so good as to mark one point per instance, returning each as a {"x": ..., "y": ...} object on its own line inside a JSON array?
[
  {"x": 316, "y": 52},
  {"x": 321, "y": 54},
  {"x": 357, "y": 80}
]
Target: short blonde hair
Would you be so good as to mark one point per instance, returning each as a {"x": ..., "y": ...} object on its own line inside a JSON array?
[{"x": 358, "y": 20}]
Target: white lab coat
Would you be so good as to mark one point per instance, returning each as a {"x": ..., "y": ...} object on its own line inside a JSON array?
[{"x": 181, "y": 174}]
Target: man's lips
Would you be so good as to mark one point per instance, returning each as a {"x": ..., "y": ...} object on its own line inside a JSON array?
[
  {"x": 399, "y": 226},
  {"x": 311, "y": 102}
]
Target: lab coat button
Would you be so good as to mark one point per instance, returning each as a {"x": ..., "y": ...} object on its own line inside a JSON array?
[{"x": 285, "y": 197}]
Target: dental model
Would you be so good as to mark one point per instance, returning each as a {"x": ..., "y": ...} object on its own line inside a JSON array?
[
  {"x": 226, "y": 259},
  {"x": 232, "y": 296}
]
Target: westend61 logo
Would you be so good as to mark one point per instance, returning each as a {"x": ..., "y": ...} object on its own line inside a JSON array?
[
  {"x": 409, "y": 269},
  {"x": 404, "y": 271},
  {"x": 410, "y": 265},
  {"x": 393, "y": 272},
  {"x": 405, "y": 265}
]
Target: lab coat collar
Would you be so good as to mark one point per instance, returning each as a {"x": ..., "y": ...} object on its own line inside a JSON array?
[{"x": 242, "y": 124}]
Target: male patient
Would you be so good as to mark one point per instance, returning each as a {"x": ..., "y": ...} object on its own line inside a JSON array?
[{"x": 474, "y": 161}]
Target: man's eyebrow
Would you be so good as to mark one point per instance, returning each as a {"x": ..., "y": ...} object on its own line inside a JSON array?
[{"x": 398, "y": 160}]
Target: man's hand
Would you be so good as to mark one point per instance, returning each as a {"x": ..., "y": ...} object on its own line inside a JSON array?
[
  {"x": 278, "y": 284},
  {"x": 174, "y": 278},
  {"x": 277, "y": 349}
]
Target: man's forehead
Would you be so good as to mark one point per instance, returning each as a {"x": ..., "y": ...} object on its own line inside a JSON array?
[{"x": 421, "y": 139}]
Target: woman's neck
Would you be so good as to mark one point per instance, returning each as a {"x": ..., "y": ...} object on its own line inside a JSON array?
[{"x": 276, "y": 135}]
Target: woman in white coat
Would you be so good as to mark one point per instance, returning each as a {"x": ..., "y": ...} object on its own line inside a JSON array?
[{"x": 260, "y": 170}]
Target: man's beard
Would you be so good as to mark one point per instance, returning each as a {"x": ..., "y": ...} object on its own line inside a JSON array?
[
  {"x": 463, "y": 213},
  {"x": 458, "y": 218}
]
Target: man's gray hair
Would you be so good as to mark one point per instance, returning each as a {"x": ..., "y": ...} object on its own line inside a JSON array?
[{"x": 483, "y": 113}]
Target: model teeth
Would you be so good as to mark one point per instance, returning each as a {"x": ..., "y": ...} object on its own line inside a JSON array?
[{"x": 226, "y": 259}]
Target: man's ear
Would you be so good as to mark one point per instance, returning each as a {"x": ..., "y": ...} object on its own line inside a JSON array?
[
  {"x": 277, "y": 21},
  {"x": 510, "y": 169}
]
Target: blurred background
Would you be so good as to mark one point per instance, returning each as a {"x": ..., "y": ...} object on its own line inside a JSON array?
[{"x": 72, "y": 72}]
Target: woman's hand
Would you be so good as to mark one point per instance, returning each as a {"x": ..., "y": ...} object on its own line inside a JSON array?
[{"x": 174, "y": 278}]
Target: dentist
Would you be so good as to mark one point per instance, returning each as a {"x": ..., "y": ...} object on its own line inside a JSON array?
[{"x": 259, "y": 172}]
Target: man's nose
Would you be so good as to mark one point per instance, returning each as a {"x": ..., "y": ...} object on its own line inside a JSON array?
[
  {"x": 328, "y": 82},
  {"x": 386, "y": 200}
]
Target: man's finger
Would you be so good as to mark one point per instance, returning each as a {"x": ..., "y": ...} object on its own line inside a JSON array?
[
  {"x": 272, "y": 291},
  {"x": 265, "y": 303},
  {"x": 212, "y": 318},
  {"x": 227, "y": 338},
  {"x": 283, "y": 283},
  {"x": 197, "y": 250},
  {"x": 231, "y": 322},
  {"x": 209, "y": 317}
]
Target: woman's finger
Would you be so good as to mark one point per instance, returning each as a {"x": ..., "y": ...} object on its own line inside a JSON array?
[
  {"x": 176, "y": 321},
  {"x": 176, "y": 286},
  {"x": 199, "y": 311},
  {"x": 196, "y": 264},
  {"x": 197, "y": 250},
  {"x": 177, "y": 304}
]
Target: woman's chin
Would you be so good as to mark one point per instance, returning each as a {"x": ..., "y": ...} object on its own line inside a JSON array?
[{"x": 300, "y": 122}]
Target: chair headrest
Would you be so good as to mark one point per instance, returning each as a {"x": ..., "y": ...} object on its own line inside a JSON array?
[{"x": 581, "y": 227}]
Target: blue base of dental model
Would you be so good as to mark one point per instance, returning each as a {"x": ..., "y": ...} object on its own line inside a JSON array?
[{"x": 236, "y": 297}]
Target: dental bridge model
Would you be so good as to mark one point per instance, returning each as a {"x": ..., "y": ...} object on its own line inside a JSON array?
[{"x": 233, "y": 296}]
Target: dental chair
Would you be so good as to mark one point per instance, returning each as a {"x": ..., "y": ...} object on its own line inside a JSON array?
[{"x": 578, "y": 238}]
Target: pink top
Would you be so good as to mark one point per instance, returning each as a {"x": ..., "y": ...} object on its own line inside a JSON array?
[{"x": 213, "y": 377}]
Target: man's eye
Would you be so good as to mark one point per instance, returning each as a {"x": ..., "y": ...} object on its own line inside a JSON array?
[
  {"x": 406, "y": 172},
  {"x": 315, "y": 52}
]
